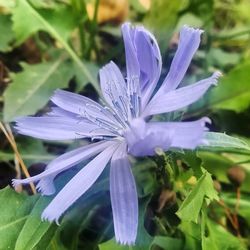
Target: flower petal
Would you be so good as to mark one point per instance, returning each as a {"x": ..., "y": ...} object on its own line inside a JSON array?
[
  {"x": 144, "y": 66},
  {"x": 189, "y": 42},
  {"x": 56, "y": 111},
  {"x": 149, "y": 57},
  {"x": 58, "y": 128},
  {"x": 78, "y": 185},
  {"x": 123, "y": 198},
  {"x": 180, "y": 98},
  {"x": 62, "y": 163},
  {"x": 185, "y": 135},
  {"x": 132, "y": 64},
  {"x": 142, "y": 140},
  {"x": 83, "y": 107},
  {"x": 114, "y": 89}
]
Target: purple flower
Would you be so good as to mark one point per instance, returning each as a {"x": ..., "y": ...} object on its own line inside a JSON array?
[{"x": 122, "y": 127}]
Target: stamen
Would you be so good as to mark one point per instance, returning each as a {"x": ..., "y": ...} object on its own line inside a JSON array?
[
  {"x": 134, "y": 91},
  {"x": 104, "y": 124},
  {"x": 114, "y": 115},
  {"x": 118, "y": 100}
]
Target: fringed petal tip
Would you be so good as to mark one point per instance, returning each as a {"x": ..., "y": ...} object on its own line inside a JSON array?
[
  {"x": 16, "y": 182},
  {"x": 17, "y": 128},
  {"x": 45, "y": 188},
  {"x": 56, "y": 93},
  {"x": 126, "y": 25},
  {"x": 205, "y": 120},
  {"x": 126, "y": 242},
  {"x": 204, "y": 142},
  {"x": 187, "y": 29},
  {"x": 138, "y": 27},
  {"x": 215, "y": 77},
  {"x": 50, "y": 218}
]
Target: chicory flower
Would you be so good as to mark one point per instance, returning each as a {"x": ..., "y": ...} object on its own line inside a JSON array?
[{"x": 122, "y": 127}]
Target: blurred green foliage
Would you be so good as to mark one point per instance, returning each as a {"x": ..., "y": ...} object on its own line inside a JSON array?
[{"x": 50, "y": 44}]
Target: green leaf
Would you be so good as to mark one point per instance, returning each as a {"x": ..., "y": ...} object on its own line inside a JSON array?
[
  {"x": 33, "y": 151},
  {"x": 47, "y": 4},
  {"x": 15, "y": 209},
  {"x": 81, "y": 78},
  {"x": 7, "y": 3},
  {"x": 31, "y": 89},
  {"x": 34, "y": 228},
  {"x": 167, "y": 243},
  {"x": 191, "y": 206},
  {"x": 136, "y": 4},
  {"x": 233, "y": 90},
  {"x": 189, "y": 19},
  {"x": 163, "y": 22},
  {"x": 218, "y": 238},
  {"x": 111, "y": 244},
  {"x": 21, "y": 226},
  {"x": 211, "y": 160},
  {"x": 144, "y": 172},
  {"x": 192, "y": 233},
  {"x": 221, "y": 58},
  {"x": 27, "y": 20},
  {"x": 28, "y": 157},
  {"x": 222, "y": 142},
  {"x": 24, "y": 28},
  {"x": 8, "y": 35},
  {"x": 143, "y": 239}
]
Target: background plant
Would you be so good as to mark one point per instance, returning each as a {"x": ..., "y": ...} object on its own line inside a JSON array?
[{"x": 188, "y": 200}]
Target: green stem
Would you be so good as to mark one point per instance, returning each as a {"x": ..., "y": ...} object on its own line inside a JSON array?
[
  {"x": 93, "y": 30},
  {"x": 240, "y": 162},
  {"x": 95, "y": 12},
  {"x": 227, "y": 37},
  {"x": 81, "y": 12}
]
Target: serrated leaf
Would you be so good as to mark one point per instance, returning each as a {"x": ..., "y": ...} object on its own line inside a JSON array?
[
  {"x": 31, "y": 89},
  {"x": 27, "y": 20},
  {"x": 191, "y": 206},
  {"x": 15, "y": 209},
  {"x": 222, "y": 142},
  {"x": 7, "y": 34},
  {"x": 167, "y": 243},
  {"x": 47, "y": 20},
  {"x": 218, "y": 238},
  {"x": 34, "y": 228}
]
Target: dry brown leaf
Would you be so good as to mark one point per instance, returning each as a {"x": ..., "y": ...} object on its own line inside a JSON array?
[
  {"x": 145, "y": 3},
  {"x": 109, "y": 10}
]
